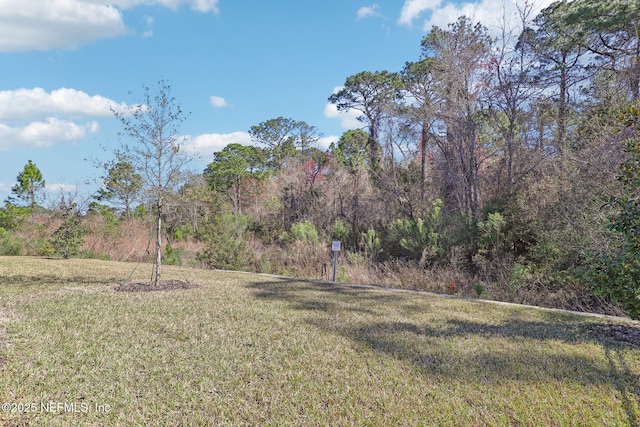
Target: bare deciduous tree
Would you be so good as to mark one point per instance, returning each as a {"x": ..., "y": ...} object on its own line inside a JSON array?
[{"x": 155, "y": 150}]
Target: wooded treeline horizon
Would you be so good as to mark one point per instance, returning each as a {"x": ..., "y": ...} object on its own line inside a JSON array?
[{"x": 496, "y": 167}]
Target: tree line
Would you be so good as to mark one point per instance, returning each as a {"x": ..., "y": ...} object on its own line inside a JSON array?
[{"x": 499, "y": 167}]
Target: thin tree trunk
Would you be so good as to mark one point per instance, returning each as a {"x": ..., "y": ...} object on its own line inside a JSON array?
[
  {"x": 32, "y": 194},
  {"x": 562, "y": 105},
  {"x": 510, "y": 138},
  {"x": 635, "y": 74},
  {"x": 374, "y": 152},
  {"x": 236, "y": 197},
  {"x": 159, "y": 245},
  {"x": 473, "y": 171},
  {"x": 423, "y": 160}
]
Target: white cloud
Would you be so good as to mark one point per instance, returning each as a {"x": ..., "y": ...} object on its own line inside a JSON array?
[
  {"x": 488, "y": 12},
  {"x": 206, "y": 144},
  {"x": 149, "y": 22},
  {"x": 61, "y": 188},
  {"x": 197, "y": 5},
  {"x": 368, "y": 11},
  {"x": 35, "y": 104},
  {"x": 54, "y": 24},
  {"x": 483, "y": 11},
  {"x": 45, "y": 133},
  {"x": 36, "y": 118},
  {"x": 205, "y": 5},
  {"x": 218, "y": 101},
  {"x": 5, "y": 188},
  {"x": 414, "y": 8},
  {"x": 66, "y": 24},
  {"x": 326, "y": 141},
  {"x": 348, "y": 119}
]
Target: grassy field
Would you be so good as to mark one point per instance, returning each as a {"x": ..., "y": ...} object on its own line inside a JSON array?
[{"x": 253, "y": 350}]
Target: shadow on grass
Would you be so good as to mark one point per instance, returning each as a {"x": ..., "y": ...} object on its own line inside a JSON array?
[
  {"x": 47, "y": 280},
  {"x": 453, "y": 348},
  {"x": 331, "y": 298}
]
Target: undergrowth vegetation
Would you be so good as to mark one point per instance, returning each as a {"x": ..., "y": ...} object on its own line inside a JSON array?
[{"x": 421, "y": 260}]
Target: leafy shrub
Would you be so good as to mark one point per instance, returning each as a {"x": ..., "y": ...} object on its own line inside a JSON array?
[
  {"x": 12, "y": 217},
  {"x": 618, "y": 278},
  {"x": 9, "y": 244},
  {"x": 491, "y": 237},
  {"x": 173, "y": 256},
  {"x": 264, "y": 265},
  {"x": 285, "y": 237},
  {"x": 355, "y": 258},
  {"x": 421, "y": 237},
  {"x": 44, "y": 248},
  {"x": 181, "y": 233},
  {"x": 66, "y": 240},
  {"x": 481, "y": 292},
  {"x": 227, "y": 248},
  {"x": 340, "y": 231},
  {"x": 618, "y": 275},
  {"x": 140, "y": 211},
  {"x": 372, "y": 244},
  {"x": 342, "y": 275},
  {"x": 305, "y": 232}
]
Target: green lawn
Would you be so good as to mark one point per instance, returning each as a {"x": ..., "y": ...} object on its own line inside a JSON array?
[{"x": 254, "y": 350}]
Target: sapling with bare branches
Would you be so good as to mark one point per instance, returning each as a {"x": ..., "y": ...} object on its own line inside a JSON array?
[{"x": 155, "y": 151}]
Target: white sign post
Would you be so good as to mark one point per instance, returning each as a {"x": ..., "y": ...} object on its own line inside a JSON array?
[{"x": 335, "y": 247}]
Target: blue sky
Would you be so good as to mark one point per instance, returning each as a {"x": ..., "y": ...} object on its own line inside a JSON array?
[{"x": 64, "y": 64}]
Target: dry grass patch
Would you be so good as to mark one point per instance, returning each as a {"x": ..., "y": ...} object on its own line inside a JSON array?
[{"x": 250, "y": 350}]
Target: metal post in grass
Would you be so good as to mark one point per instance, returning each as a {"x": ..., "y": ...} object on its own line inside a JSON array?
[{"x": 335, "y": 247}]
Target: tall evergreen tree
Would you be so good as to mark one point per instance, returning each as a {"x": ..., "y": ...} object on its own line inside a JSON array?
[
  {"x": 371, "y": 94},
  {"x": 121, "y": 184},
  {"x": 30, "y": 183},
  {"x": 460, "y": 62},
  {"x": 559, "y": 50}
]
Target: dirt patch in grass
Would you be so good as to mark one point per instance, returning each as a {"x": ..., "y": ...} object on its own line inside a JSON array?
[
  {"x": 619, "y": 332},
  {"x": 162, "y": 285}
]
